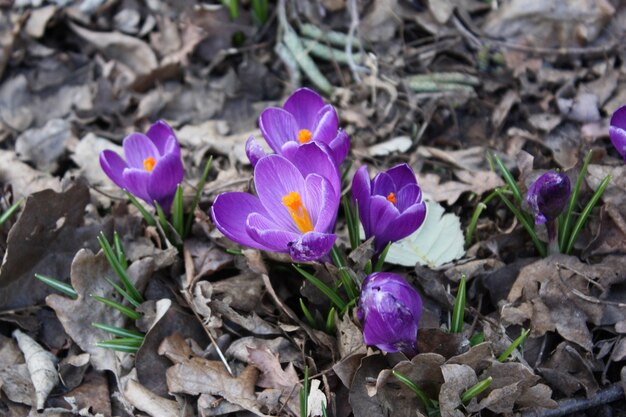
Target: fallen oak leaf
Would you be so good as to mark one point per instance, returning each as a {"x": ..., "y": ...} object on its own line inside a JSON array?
[
  {"x": 41, "y": 366},
  {"x": 272, "y": 374}
]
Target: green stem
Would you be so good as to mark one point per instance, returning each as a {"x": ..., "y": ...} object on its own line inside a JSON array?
[{"x": 567, "y": 222}]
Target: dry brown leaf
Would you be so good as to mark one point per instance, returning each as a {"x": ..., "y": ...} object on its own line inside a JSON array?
[
  {"x": 46, "y": 146},
  {"x": 41, "y": 367},
  {"x": 349, "y": 336},
  {"x": 145, "y": 400},
  {"x": 24, "y": 179},
  {"x": 194, "y": 375},
  {"x": 458, "y": 378},
  {"x": 272, "y": 373},
  {"x": 17, "y": 384}
]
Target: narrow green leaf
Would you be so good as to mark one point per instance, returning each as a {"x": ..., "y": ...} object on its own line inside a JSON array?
[
  {"x": 578, "y": 227},
  {"x": 119, "y": 250},
  {"x": 9, "y": 212},
  {"x": 344, "y": 275},
  {"x": 60, "y": 286},
  {"x": 196, "y": 198},
  {"x": 147, "y": 216},
  {"x": 524, "y": 221},
  {"x": 123, "y": 293},
  {"x": 469, "y": 234},
  {"x": 236, "y": 252},
  {"x": 505, "y": 355},
  {"x": 458, "y": 312},
  {"x": 330, "y": 321},
  {"x": 120, "y": 348},
  {"x": 125, "y": 341},
  {"x": 178, "y": 212},
  {"x": 162, "y": 217},
  {"x": 260, "y": 9},
  {"x": 566, "y": 224},
  {"x": 476, "y": 389},
  {"x": 304, "y": 394},
  {"x": 128, "y": 312},
  {"x": 325, "y": 289},
  {"x": 307, "y": 314},
  {"x": 350, "y": 220},
  {"x": 368, "y": 267},
  {"x": 477, "y": 338},
  {"x": 421, "y": 395},
  {"x": 382, "y": 257},
  {"x": 508, "y": 178},
  {"x": 345, "y": 171},
  {"x": 119, "y": 331},
  {"x": 120, "y": 271}
]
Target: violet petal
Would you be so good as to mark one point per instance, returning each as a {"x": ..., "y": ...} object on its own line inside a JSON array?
[
  {"x": 304, "y": 104},
  {"x": 113, "y": 166},
  {"x": 254, "y": 151},
  {"x": 361, "y": 194},
  {"x": 230, "y": 212},
  {"x": 311, "y": 158},
  {"x": 268, "y": 234},
  {"x": 161, "y": 133},
  {"x": 136, "y": 181},
  {"x": 278, "y": 127},
  {"x": 311, "y": 246},
  {"x": 322, "y": 203},
  {"x": 137, "y": 148},
  {"x": 164, "y": 179},
  {"x": 326, "y": 125},
  {"x": 340, "y": 146},
  {"x": 402, "y": 175}
]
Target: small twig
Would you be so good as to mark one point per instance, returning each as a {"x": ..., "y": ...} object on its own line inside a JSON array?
[
  {"x": 354, "y": 24},
  {"x": 607, "y": 395}
]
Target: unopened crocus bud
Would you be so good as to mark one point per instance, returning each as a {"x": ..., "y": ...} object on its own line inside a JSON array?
[
  {"x": 617, "y": 131},
  {"x": 548, "y": 196},
  {"x": 389, "y": 310}
]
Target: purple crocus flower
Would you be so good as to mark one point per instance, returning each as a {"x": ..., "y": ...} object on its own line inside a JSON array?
[
  {"x": 389, "y": 310},
  {"x": 152, "y": 169},
  {"x": 303, "y": 118},
  {"x": 617, "y": 131},
  {"x": 548, "y": 196},
  {"x": 295, "y": 210},
  {"x": 390, "y": 206}
]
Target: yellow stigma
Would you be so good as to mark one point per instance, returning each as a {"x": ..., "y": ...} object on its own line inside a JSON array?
[
  {"x": 149, "y": 163},
  {"x": 298, "y": 212},
  {"x": 304, "y": 135},
  {"x": 392, "y": 197}
]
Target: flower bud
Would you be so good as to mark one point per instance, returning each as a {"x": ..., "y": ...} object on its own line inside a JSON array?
[
  {"x": 548, "y": 196},
  {"x": 389, "y": 310}
]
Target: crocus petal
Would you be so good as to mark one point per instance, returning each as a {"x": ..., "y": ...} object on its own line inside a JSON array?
[
  {"x": 113, "y": 165},
  {"x": 278, "y": 127},
  {"x": 407, "y": 196},
  {"x": 164, "y": 179},
  {"x": 326, "y": 125},
  {"x": 288, "y": 150},
  {"x": 268, "y": 234},
  {"x": 618, "y": 139},
  {"x": 136, "y": 181},
  {"x": 230, "y": 213},
  {"x": 340, "y": 146},
  {"x": 161, "y": 133},
  {"x": 618, "y": 119},
  {"x": 274, "y": 178},
  {"x": 311, "y": 158},
  {"x": 406, "y": 223},
  {"x": 311, "y": 246},
  {"x": 254, "y": 151},
  {"x": 322, "y": 203},
  {"x": 383, "y": 184},
  {"x": 361, "y": 194},
  {"x": 401, "y": 175},
  {"x": 304, "y": 104},
  {"x": 382, "y": 212},
  {"x": 137, "y": 148}
]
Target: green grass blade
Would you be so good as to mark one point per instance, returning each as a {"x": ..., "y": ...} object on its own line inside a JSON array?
[
  {"x": 505, "y": 355},
  {"x": 325, "y": 289},
  {"x": 330, "y": 321},
  {"x": 123, "y": 293},
  {"x": 350, "y": 222},
  {"x": 128, "y": 312},
  {"x": 421, "y": 395},
  {"x": 120, "y": 271},
  {"x": 345, "y": 171},
  {"x": 119, "y": 250},
  {"x": 304, "y": 394},
  {"x": 578, "y": 227},
  {"x": 260, "y": 9},
  {"x": 60, "y": 286},
  {"x": 147, "y": 216},
  {"x": 458, "y": 312},
  {"x": 119, "y": 331},
  {"x": 476, "y": 389},
  {"x": 9, "y": 212},
  {"x": 469, "y": 234},
  {"x": 344, "y": 275},
  {"x": 524, "y": 221},
  {"x": 196, "y": 197},
  {"x": 508, "y": 179},
  {"x": 307, "y": 314},
  {"x": 120, "y": 348},
  {"x": 178, "y": 212},
  {"x": 567, "y": 218}
]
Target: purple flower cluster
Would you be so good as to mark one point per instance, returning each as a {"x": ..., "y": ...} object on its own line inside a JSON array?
[{"x": 548, "y": 196}]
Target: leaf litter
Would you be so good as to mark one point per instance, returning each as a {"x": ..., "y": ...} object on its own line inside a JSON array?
[{"x": 535, "y": 79}]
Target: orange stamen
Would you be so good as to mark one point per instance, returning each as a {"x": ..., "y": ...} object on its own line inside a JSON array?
[
  {"x": 298, "y": 212},
  {"x": 149, "y": 163},
  {"x": 392, "y": 197},
  {"x": 304, "y": 135}
]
